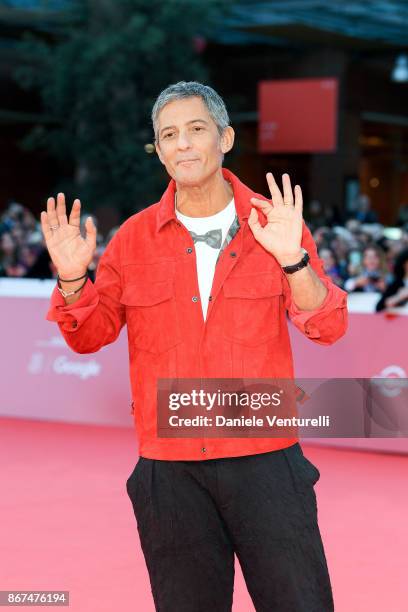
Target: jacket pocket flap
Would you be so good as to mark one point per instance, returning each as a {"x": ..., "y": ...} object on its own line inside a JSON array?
[
  {"x": 147, "y": 294},
  {"x": 253, "y": 286}
]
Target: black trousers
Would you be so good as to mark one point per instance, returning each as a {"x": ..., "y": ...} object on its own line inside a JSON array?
[{"x": 192, "y": 516}]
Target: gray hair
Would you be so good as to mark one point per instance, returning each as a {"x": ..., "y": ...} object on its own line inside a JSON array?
[{"x": 187, "y": 89}]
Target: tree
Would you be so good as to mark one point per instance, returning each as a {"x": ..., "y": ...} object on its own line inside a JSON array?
[{"x": 98, "y": 73}]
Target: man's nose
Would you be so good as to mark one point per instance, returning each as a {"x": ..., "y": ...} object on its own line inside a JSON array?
[{"x": 183, "y": 141}]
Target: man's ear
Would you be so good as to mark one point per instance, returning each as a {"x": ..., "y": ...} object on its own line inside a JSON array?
[
  {"x": 227, "y": 139},
  {"x": 158, "y": 152}
]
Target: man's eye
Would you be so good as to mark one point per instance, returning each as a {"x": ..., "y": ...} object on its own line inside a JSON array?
[
  {"x": 197, "y": 127},
  {"x": 168, "y": 134}
]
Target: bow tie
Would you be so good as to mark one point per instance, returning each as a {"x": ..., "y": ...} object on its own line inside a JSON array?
[{"x": 212, "y": 238}]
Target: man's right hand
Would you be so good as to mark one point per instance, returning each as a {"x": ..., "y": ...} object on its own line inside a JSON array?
[{"x": 69, "y": 251}]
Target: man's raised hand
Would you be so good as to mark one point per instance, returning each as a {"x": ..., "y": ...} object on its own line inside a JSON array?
[
  {"x": 69, "y": 251},
  {"x": 282, "y": 233}
]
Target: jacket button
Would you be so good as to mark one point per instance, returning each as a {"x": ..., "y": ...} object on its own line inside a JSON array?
[
  {"x": 189, "y": 250},
  {"x": 233, "y": 254},
  {"x": 194, "y": 298},
  {"x": 209, "y": 298},
  {"x": 203, "y": 450},
  {"x": 74, "y": 324}
]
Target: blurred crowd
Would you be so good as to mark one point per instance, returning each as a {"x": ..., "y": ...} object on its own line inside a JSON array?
[
  {"x": 22, "y": 246},
  {"x": 358, "y": 253}
]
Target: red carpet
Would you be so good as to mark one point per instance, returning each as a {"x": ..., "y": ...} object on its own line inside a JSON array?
[{"x": 67, "y": 523}]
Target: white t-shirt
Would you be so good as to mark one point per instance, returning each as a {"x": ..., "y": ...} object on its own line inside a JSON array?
[{"x": 206, "y": 255}]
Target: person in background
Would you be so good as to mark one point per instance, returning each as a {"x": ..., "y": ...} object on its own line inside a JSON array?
[
  {"x": 340, "y": 247},
  {"x": 396, "y": 292},
  {"x": 323, "y": 237},
  {"x": 363, "y": 212},
  {"x": 10, "y": 264},
  {"x": 28, "y": 255},
  {"x": 354, "y": 258},
  {"x": 316, "y": 215},
  {"x": 373, "y": 273},
  {"x": 331, "y": 266},
  {"x": 41, "y": 267},
  {"x": 402, "y": 217}
]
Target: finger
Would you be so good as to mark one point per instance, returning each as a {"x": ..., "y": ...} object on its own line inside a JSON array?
[
  {"x": 298, "y": 199},
  {"x": 75, "y": 216},
  {"x": 51, "y": 212},
  {"x": 274, "y": 189},
  {"x": 253, "y": 222},
  {"x": 262, "y": 205},
  {"x": 287, "y": 190},
  {"x": 90, "y": 237},
  {"x": 61, "y": 210},
  {"x": 45, "y": 226}
]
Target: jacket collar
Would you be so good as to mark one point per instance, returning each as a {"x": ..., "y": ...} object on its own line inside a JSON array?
[{"x": 242, "y": 195}]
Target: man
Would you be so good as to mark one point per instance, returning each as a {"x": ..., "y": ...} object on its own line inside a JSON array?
[{"x": 203, "y": 279}]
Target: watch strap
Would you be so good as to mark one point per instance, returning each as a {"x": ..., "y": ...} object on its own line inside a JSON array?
[{"x": 298, "y": 266}]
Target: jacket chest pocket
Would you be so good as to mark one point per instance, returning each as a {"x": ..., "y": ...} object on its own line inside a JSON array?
[
  {"x": 151, "y": 315},
  {"x": 252, "y": 307}
]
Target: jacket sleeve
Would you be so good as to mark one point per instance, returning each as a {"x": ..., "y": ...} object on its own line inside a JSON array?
[
  {"x": 97, "y": 317},
  {"x": 328, "y": 322}
]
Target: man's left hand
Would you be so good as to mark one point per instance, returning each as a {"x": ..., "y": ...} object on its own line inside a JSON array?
[{"x": 282, "y": 233}]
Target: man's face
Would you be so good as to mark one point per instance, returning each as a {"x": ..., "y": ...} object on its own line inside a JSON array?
[{"x": 188, "y": 141}]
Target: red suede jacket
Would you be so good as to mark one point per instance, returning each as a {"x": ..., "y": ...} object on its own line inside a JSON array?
[{"x": 147, "y": 278}]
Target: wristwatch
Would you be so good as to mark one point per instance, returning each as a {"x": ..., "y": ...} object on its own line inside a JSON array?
[{"x": 302, "y": 263}]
